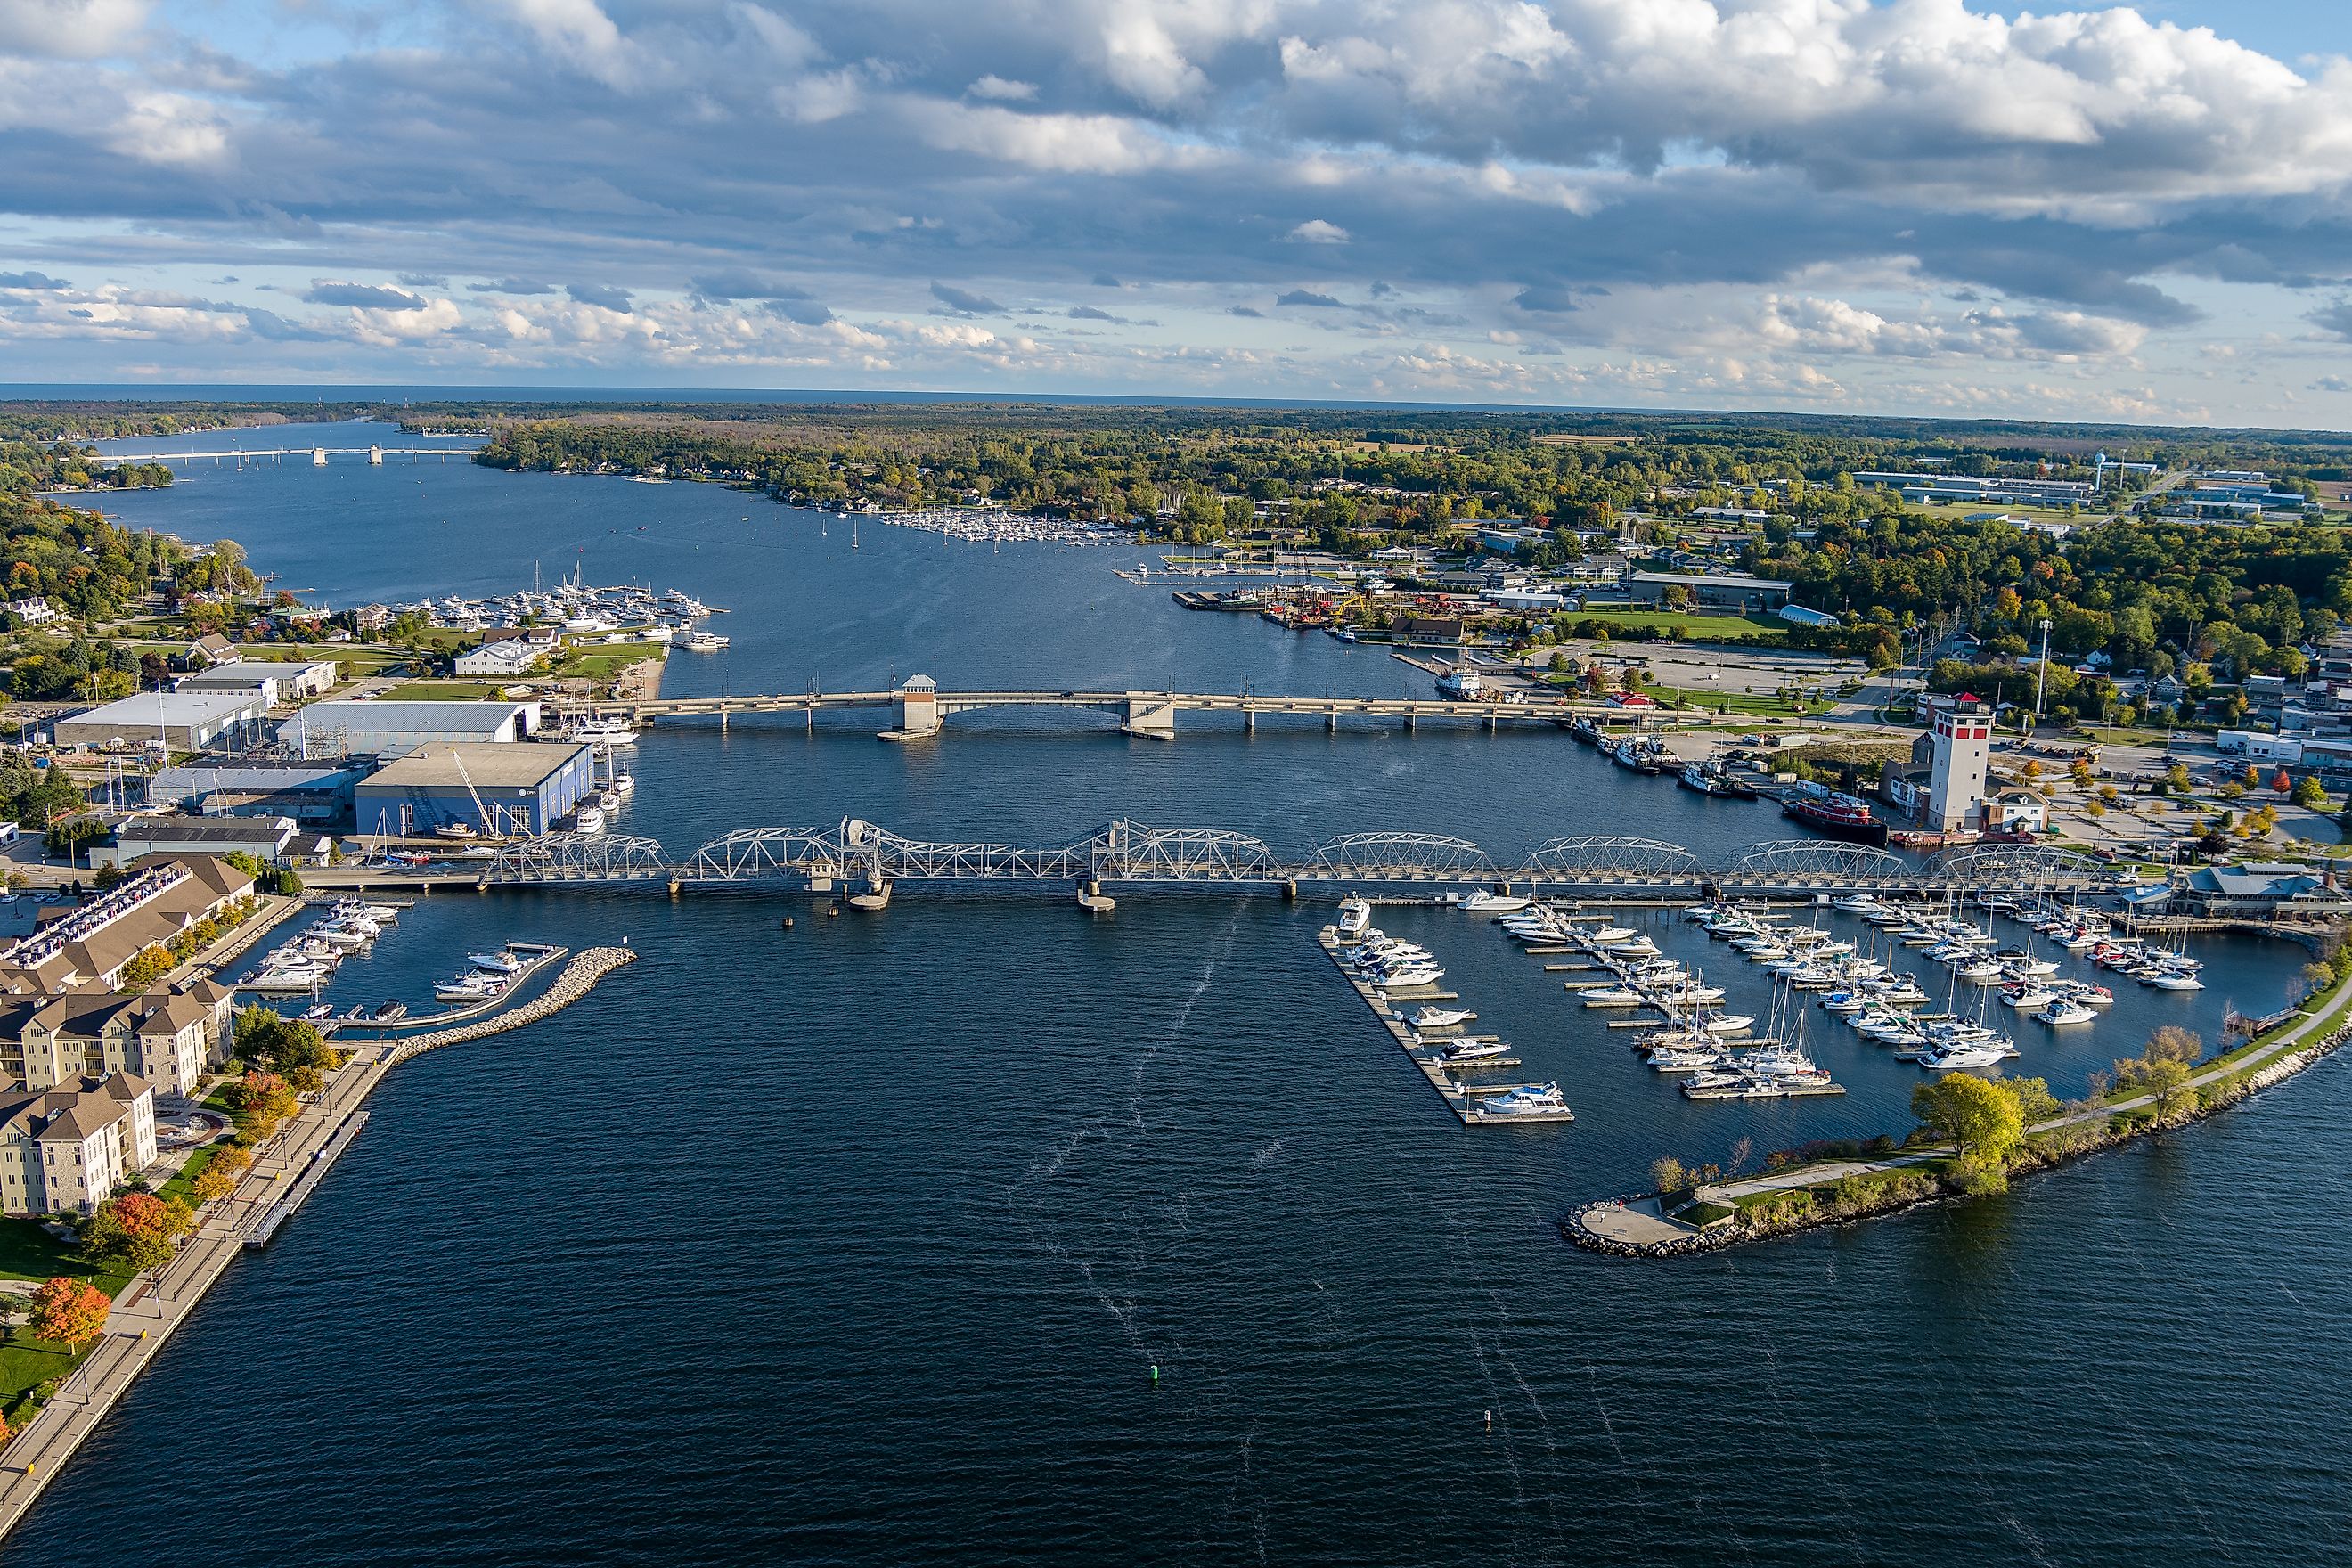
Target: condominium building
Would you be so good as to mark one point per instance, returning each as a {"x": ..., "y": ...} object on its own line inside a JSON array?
[
  {"x": 69, "y": 1149},
  {"x": 166, "y": 1037}
]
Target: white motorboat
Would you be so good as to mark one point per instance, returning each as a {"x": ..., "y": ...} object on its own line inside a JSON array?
[
  {"x": 1640, "y": 947},
  {"x": 1727, "y": 1022},
  {"x": 474, "y": 987},
  {"x": 2174, "y": 980},
  {"x": 1962, "y": 1054},
  {"x": 1442, "y": 1017},
  {"x": 2059, "y": 1014},
  {"x": 624, "y": 783},
  {"x": 1473, "y": 1051},
  {"x": 496, "y": 962},
  {"x": 1780, "y": 1061},
  {"x": 1355, "y": 918},
  {"x": 1528, "y": 1099},
  {"x": 1977, "y": 972},
  {"x": 588, "y": 817},
  {"x": 2027, "y": 997},
  {"x": 1409, "y": 977},
  {"x": 1608, "y": 934},
  {"x": 701, "y": 642},
  {"x": 1483, "y": 903},
  {"x": 608, "y": 801},
  {"x": 1612, "y": 996}
]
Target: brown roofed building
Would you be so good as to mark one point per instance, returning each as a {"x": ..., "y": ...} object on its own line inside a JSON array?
[{"x": 66, "y": 1149}]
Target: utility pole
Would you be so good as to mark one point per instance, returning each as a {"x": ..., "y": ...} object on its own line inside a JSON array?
[{"x": 2042, "y": 674}]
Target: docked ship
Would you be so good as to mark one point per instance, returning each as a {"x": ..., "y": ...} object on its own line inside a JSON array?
[{"x": 1839, "y": 815}]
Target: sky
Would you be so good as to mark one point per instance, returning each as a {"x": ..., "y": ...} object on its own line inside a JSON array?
[{"x": 1910, "y": 206}]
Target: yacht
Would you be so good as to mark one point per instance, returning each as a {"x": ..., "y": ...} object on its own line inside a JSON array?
[
  {"x": 604, "y": 731},
  {"x": 2175, "y": 980},
  {"x": 624, "y": 783},
  {"x": 1355, "y": 918},
  {"x": 1639, "y": 947},
  {"x": 2025, "y": 996},
  {"x": 588, "y": 817},
  {"x": 1683, "y": 1058},
  {"x": 702, "y": 642},
  {"x": 1961, "y": 1054},
  {"x": 1473, "y": 1051},
  {"x": 1442, "y": 1017},
  {"x": 1977, "y": 971},
  {"x": 1780, "y": 1061},
  {"x": 2061, "y": 1013},
  {"x": 496, "y": 962},
  {"x": 469, "y": 988},
  {"x": 1528, "y": 1099},
  {"x": 1409, "y": 975},
  {"x": 1484, "y": 903},
  {"x": 1727, "y": 1022},
  {"x": 1612, "y": 996}
]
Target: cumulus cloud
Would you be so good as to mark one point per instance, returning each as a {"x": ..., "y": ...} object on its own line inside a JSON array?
[
  {"x": 39, "y": 282},
  {"x": 1781, "y": 197},
  {"x": 964, "y": 302},
  {"x": 2335, "y": 318},
  {"x": 604, "y": 296},
  {"x": 364, "y": 296}
]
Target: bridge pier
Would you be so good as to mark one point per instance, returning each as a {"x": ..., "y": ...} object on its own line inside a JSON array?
[
  {"x": 1154, "y": 717},
  {"x": 919, "y": 710},
  {"x": 1249, "y": 723},
  {"x": 1408, "y": 723},
  {"x": 1092, "y": 898},
  {"x": 1331, "y": 722},
  {"x": 875, "y": 897}
]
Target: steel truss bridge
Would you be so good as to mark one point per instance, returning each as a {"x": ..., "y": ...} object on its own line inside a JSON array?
[{"x": 854, "y": 854}]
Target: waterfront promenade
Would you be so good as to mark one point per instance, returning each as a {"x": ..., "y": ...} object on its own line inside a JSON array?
[{"x": 156, "y": 1304}]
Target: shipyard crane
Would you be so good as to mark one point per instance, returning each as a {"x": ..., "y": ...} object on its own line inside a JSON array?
[{"x": 480, "y": 811}]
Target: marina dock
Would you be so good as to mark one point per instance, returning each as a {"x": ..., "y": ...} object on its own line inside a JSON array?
[{"x": 1459, "y": 1097}]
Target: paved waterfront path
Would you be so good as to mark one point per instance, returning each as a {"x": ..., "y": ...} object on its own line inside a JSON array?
[
  {"x": 155, "y": 1304},
  {"x": 2311, "y": 1027}
]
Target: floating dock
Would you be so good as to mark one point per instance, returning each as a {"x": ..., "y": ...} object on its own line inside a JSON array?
[
  {"x": 265, "y": 1226},
  {"x": 1459, "y": 1098}
]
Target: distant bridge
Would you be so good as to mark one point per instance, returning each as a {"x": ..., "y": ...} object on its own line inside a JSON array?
[
  {"x": 866, "y": 862},
  {"x": 317, "y": 455},
  {"x": 922, "y": 709}
]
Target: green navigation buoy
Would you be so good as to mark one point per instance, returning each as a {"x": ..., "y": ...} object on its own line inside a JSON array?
[{"x": 1155, "y": 1372}]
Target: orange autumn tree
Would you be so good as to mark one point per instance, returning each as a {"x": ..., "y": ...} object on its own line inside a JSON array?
[{"x": 69, "y": 1312}]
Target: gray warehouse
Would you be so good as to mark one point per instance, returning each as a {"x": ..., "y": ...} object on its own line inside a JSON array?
[
  {"x": 183, "y": 720},
  {"x": 361, "y": 728},
  {"x": 521, "y": 789}
]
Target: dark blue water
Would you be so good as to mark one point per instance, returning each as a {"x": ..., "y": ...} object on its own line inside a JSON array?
[{"x": 856, "y": 1243}]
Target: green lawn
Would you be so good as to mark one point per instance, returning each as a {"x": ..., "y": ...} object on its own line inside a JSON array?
[
  {"x": 602, "y": 661},
  {"x": 1698, "y": 628},
  {"x": 441, "y": 690}
]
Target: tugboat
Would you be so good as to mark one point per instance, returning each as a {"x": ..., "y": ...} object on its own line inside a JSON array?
[
  {"x": 1839, "y": 815},
  {"x": 1716, "y": 782}
]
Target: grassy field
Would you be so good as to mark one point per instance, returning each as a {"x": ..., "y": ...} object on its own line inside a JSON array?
[
  {"x": 1698, "y": 628},
  {"x": 29, "y": 1252},
  {"x": 441, "y": 691},
  {"x": 602, "y": 661}
]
